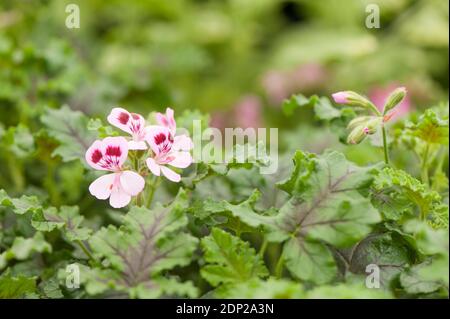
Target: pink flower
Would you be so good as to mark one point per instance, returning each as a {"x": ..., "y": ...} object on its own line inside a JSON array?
[
  {"x": 247, "y": 112},
  {"x": 131, "y": 123},
  {"x": 167, "y": 120},
  {"x": 109, "y": 154},
  {"x": 340, "y": 97},
  {"x": 167, "y": 151}
]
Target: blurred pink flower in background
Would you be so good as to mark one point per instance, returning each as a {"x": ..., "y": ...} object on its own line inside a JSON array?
[
  {"x": 279, "y": 85},
  {"x": 275, "y": 85},
  {"x": 378, "y": 96},
  {"x": 247, "y": 112}
]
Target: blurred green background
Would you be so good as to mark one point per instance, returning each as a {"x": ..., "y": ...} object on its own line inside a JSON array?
[{"x": 235, "y": 59}]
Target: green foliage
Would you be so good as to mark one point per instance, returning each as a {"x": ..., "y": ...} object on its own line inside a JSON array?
[
  {"x": 69, "y": 129},
  {"x": 135, "y": 256},
  {"x": 16, "y": 287},
  {"x": 229, "y": 260},
  {"x": 227, "y": 230},
  {"x": 24, "y": 248},
  {"x": 327, "y": 207},
  {"x": 397, "y": 193}
]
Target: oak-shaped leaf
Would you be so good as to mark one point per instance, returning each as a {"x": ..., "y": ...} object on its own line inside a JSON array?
[
  {"x": 136, "y": 255},
  {"x": 66, "y": 218},
  {"x": 69, "y": 128},
  {"x": 22, "y": 205},
  {"x": 229, "y": 259}
]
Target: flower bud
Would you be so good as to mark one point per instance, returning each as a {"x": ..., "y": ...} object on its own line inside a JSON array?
[
  {"x": 394, "y": 99},
  {"x": 372, "y": 125},
  {"x": 351, "y": 98},
  {"x": 357, "y": 135},
  {"x": 357, "y": 121}
]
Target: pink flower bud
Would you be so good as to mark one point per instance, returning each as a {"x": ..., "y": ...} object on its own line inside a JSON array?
[{"x": 340, "y": 97}]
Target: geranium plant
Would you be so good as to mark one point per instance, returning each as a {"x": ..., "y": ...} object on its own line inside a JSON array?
[{"x": 179, "y": 227}]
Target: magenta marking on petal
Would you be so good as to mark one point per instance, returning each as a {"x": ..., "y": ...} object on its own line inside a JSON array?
[
  {"x": 160, "y": 138},
  {"x": 113, "y": 151},
  {"x": 96, "y": 156},
  {"x": 123, "y": 118},
  {"x": 135, "y": 116}
]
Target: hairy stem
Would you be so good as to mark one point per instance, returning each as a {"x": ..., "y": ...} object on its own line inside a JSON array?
[
  {"x": 424, "y": 166},
  {"x": 385, "y": 146}
]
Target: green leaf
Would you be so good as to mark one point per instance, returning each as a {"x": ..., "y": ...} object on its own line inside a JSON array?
[
  {"x": 414, "y": 282},
  {"x": 23, "y": 248},
  {"x": 102, "y": 131},
  {"x": 135, "y": 255},
  {"x": 431, "y": 127},
  {"x": 329, "y": 205},
  {"x": 434, "y": 243},
  {"x": 326, "y": 206},
  {"x": 69, "y": 128},
  {"x": 322, "y": 106},
  {"x": 388, "y": 251},
  {"x": 309, "y": 260},
  {"x": 66, "y": 218},
  {"x": 24, "y": 204},
  {"x": 396, "y": 192},
  {"x": 242, "y": 212},
  {"x": 16, "y": 287},
  {"x": 19, "y": 141},
  {"x": 229, "y": 259}
]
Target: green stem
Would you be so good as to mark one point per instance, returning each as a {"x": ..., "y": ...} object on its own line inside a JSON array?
[
  {"x": 385, "y": 146},
  {"x": 153, "y": 187},
  {"x": 262, "y": 250},
  {"x": 424, "y": 168},
  {"x": 85, "y": 250},
  {"x": 279, "y": 266}
]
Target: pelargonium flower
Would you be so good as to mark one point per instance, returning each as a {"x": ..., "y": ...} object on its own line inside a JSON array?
[
  {"x": 109, "y": 154},
  {"x": 167, "y": 151},
  {"x": 131, "y": 123},
  {"x": 181, "y": 142}
]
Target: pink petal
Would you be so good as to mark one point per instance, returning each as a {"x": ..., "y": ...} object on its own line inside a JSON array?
[
  {"x": 137, "y": 145},
  {"x": 157, "y": 137},
  {"x": 340, "y": 97},
  {"x": 182, "y": 143},
  {"x": 132, "y": 182},
  {"x": 161, "y": 119},
  {"x": 171, "y": 175},
  {"x": 94, "y": 155},
  {"x": 119, "y": 198},
  {"x": 120, "y": 118},
  {"x": 171, "y": 119},
  {"x": 153, "y": 167},
  {"x": 116, "y": 147},
  {"x": 102, "y": 186},
  {"x": 167, "y": 120},
  {"x": 182, "y": 159}
]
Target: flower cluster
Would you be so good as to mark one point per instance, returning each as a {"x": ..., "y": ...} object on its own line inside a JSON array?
[
  {"x": 365, "y": 125},
  {"x": 163, "y": 149}
]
